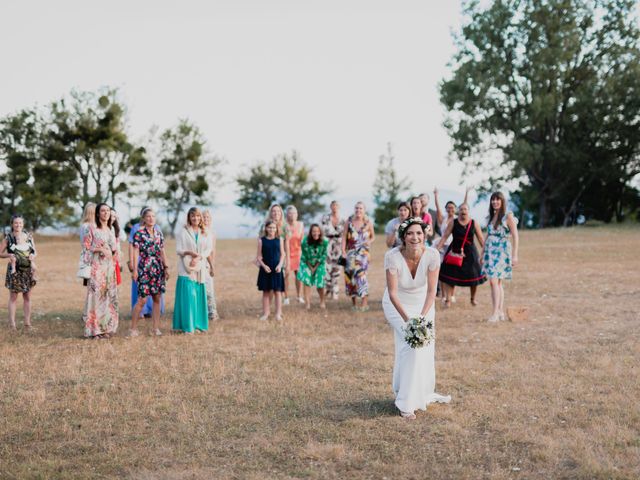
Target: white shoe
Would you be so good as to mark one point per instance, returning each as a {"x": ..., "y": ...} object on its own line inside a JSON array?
[
  {"x": 285, "y": 301},
  {"x": 278, "y": 318},
  {"x": 493, "y": 319},
  {"x": 134, "y": 333},
  {"x": 453, "y": 299},
  {"x": 300, "y": 300},
  {"x": 264, "y": 318},
  {"x": 501, "y": 317},
  {"x": 157, "y": 332}
]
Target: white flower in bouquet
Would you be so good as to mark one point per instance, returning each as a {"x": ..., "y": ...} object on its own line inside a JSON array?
[{"x": 419, "y": 332}]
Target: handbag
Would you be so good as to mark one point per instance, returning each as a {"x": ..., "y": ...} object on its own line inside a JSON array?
[
  {"x": 342, "y": 261},
  {"x": 456, "y": 259}
]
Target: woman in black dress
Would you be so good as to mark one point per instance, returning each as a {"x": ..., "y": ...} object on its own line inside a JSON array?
[
  {"x": 469, "y": 274},
  {"x": 271, "y": 257}
]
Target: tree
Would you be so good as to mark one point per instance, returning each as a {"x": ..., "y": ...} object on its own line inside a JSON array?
[
  {"x": 552, "y": 88},
  {"x": 286, "y": 180},
  {"x": 87, "y": 132},
  {"x": 388, "y": 189},
  {"x": 39, "y": 189},
  {"x": 185, "y": 172}
]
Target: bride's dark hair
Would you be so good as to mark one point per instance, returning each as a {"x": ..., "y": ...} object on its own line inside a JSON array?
[{"x": 409, "y": 222}]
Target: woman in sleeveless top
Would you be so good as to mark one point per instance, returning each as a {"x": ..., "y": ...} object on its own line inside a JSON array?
[
  {"x": 332, "y": 229},
  {"x": 469, "y": 274},
  {"x": 295, "y": 232},
  {"x": 19, "y": 245},
  {"x": 498, "y": 258},
  {"x": 356, "y": 242}
]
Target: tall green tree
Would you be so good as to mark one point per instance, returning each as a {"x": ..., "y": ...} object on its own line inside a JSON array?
[
  {"x": 287, "y": 180},
  {"x": 388, "y": 189},
  {"x": 187, "y": 172},
  {"x": 550, "y": 88},
  {"x": 87, "y": 131}
]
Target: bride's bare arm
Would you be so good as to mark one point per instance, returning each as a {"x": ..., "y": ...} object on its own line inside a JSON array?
[
  {"x": 392, "y": 286},
  {"x": 432, "y": 288}
]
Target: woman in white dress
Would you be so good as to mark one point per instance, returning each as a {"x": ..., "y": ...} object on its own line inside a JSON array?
[{"x": 412, "y": 277}]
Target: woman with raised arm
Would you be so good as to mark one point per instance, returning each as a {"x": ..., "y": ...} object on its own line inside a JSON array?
[
  {"x": 19, "y": 248},
  {"x": 461, "y": 264},
  {"x": 333, "y": 228},
  {"x": 412, "y": 277},
  {"x": 356, "y": 242},
  {"x": 443, "y": 222},
  {"x": 499, "y": 258},
  {"x": 150, "y": 270}
]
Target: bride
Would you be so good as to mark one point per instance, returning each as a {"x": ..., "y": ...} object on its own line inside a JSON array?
[{"x": 412, "y": 277}]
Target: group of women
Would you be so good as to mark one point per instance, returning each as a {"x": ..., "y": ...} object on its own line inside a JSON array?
[
  {"x": 100, "y": 268},
  {"x": 313, "y": 259}
]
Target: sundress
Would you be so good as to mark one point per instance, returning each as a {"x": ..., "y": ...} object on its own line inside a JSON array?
[
  {"x": 313, "y": 255},
  {"x": 333, "y": 233},
  {"x": 469, "y": 274},
  {"x": 148, "y": 306},
  {"x": 102, "y": 294},
  {"x": 355, "y": 271},
  {"x": 273, "y": 280},
  {"x": 497, "y": 251},
  {"x": 295, "y": 239},
  {"x": 151, "y": 276},
  {"x": 84, "y": 264},
  {"x": 21, "y": 281}
]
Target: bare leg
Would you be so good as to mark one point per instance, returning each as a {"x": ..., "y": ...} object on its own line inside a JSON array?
[
  {"x": 307, "y": 296},
  {"x": 321, "y": 294},
  {"x": 365, "y": 301},
  {"x": 298, "y": 284},
  {"x": 155, "y": 312},
  {"x": 286, "y": 281},
  {"x": 501, "y": 303},
  {"x": 446, "y": 290},
  {"x": 474, "y": 288},
  {"x": 13, "y": 298},
  {"x": 137, "y": 310},
  {"x": 266, "y": 303},
  {"x": 26, "y": 298},
  {"x": 278, "y": 296},
  {"x": 495, "y": 295}
]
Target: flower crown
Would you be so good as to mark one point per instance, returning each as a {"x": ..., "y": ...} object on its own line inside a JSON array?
[{"x": 402, "y": 229}]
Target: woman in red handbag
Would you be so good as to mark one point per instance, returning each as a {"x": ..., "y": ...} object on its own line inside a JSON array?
[{"x": 461, "y": 265}]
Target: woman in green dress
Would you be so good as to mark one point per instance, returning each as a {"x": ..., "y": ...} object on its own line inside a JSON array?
[
  {"x": 193, "y": 246},
  {"x": 313, "y": 266}
]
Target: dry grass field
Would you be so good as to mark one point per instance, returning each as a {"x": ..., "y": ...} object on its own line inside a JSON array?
[{"x": 555, "y": 397}]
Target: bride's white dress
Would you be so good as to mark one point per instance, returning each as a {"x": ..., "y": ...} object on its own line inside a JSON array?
[{"x": 414, "y": 374}]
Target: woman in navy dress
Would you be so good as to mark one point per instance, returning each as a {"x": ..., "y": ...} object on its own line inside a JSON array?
[{"x": 270, "y": 260}]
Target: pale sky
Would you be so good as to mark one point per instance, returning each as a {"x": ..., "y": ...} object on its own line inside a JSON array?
[{"x": 335, "y": 80}]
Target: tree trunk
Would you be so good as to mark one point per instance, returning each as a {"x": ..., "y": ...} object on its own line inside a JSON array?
[{"x": 543, "y": 212}]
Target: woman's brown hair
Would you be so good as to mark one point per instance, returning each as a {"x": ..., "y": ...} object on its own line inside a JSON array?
[{"x": 503, "y": 208}]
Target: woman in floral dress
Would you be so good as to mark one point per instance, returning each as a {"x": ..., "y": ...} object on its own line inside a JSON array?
[
  {"x": 313, "y": 264},
  {"x": 102, "y": 292},
  {"x": 150, "y": 270},
  {"x": 356, "y": 242},
  {"x": 497, "y": 260},
  {"x": 18, "y": 246},
  {"x": 332, "y": 228}
]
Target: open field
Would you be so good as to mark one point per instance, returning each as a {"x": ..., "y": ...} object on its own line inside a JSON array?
[{"x": 555, "y": 397}]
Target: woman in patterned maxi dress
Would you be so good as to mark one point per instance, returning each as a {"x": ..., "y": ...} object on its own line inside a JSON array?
[
  {"x": 497, "y": 260},
  {"x": 332, "y": 228},
  {"x": 102, "y": 292},
  {"x": 356, "y": 242}
]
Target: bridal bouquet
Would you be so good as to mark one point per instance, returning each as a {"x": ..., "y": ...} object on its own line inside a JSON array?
[{"x": 419, "y": 332}]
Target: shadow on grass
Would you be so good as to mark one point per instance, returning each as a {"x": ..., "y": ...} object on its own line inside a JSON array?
[{"x": 365, "y": 409}]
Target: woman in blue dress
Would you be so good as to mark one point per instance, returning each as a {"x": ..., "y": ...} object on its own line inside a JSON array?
[
  {"x": 499, "y": 258},
  {"x": 270, "y": 258}
]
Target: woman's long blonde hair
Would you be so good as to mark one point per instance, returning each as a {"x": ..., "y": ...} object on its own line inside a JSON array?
[
  {"x": 89, "y": 213},
  {"x": 193, "y": 211}
]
